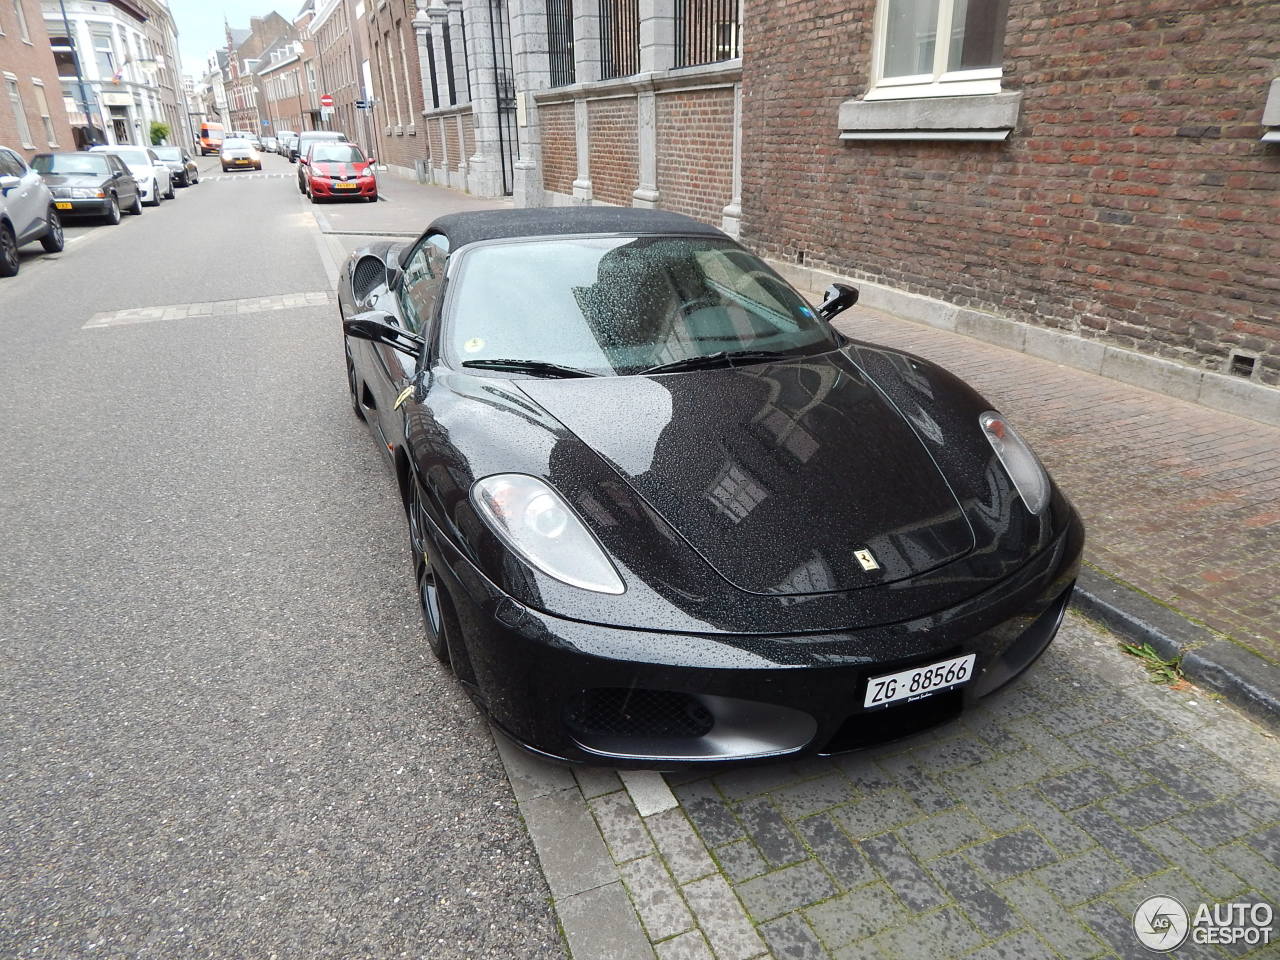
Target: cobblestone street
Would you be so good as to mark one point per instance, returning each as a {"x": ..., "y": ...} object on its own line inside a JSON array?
[{"x": 1032, "y": 828}]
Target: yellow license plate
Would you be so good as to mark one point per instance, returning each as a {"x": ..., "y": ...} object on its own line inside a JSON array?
[
  {"x": 346, "y": 186},
  {"x": 63, "y": 206}
]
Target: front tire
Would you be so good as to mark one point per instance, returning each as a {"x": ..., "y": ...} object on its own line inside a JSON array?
[
  {"x": 112, "y": 216},
  {"x": 136, "y": 207},
  {"x": 155, "y": 194},
  {"x": 53, "y": 240},
  {"x": 171, "y": 194},
  {"x": 8, "y": 251},
  {"x": 351, "y": 379},
  {"x": 430, "y": 601}
]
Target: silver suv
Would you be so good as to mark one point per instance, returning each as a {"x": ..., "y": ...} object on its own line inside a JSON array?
[{"x": 27, "y": 212}]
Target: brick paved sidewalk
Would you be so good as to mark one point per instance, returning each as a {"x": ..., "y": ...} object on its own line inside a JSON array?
[
  {"x": 1180, "y": 501},
  {"x": 1030, "y": 829}
]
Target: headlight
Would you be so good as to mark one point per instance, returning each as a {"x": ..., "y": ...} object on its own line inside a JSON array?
[
  {"x": 1019, "y": 462},
  {"x": 59, "y": 191},
  {"x": 539, "y": 527},
  {"x": 87, "y": 194}
]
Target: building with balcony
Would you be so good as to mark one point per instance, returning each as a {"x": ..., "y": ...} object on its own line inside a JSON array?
[{"x": 117, "y": 67}]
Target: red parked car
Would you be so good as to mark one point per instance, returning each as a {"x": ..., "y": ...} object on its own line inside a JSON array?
[{"x": 337, "y": 170}]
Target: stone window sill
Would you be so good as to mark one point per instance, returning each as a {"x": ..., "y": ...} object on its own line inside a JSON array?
[
  {"x": 1271, "y": 114},
  {"x": 988, "y": 117}
]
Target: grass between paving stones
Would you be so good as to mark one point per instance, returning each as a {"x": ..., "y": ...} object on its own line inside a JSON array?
[{"x": 1159, "y": 670}]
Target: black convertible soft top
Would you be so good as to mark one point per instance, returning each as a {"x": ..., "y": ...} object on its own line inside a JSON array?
[{"x": 465, "y": 228}]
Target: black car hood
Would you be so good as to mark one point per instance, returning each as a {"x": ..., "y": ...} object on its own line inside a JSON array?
[{"x": 775, "y": 473}]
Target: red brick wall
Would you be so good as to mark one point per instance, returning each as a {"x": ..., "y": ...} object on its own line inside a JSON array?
[
  {"x": 695, "y": 152},
  {"x": 396, "y": 18},
  {"x": 559, "y": 147},
  {"x": 1133, "y": 203},
  {"x": 435, "y": 145},
  {"x": 451, "y": 145},
  {"x": 27, "y": 61},
  {"x": 611, "y": 127}
]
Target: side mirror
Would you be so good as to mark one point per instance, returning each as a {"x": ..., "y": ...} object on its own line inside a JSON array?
[
  {"x": 378, "y": 327},
  {"x": 304, "y": 161},
  {"x": 8, "y": 183},
  {"x": 372, "y": 161},
  {"x": 840, "y": 297}
]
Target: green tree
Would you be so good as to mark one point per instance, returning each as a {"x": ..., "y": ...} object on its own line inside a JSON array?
[{"x": 159, "y": 133}]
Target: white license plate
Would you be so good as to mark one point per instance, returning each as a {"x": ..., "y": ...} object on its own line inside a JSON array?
[{"x": 919, "y": 682}]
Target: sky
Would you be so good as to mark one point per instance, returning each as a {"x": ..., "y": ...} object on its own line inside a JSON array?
[{"x": 200, "y": 25}]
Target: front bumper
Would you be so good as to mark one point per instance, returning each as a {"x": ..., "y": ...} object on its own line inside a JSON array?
[
  {"x": 324, "y": 187},
  {"x": 587, "y": 693},
  {"x": 75, "y": 207}
]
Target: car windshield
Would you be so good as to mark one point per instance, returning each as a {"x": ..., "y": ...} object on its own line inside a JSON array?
[
  {"x": 71, "y": 164},
  {"x": 337, "y": 152},
  {"x": 134, "y": 158},
  {"x": 235, "y": 143},
  {"x": 611, "y": 305}
]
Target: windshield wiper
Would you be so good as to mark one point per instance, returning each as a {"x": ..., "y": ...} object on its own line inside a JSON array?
[
  {"x": 721, "y": 358},
  {"x": 541, "y": 368}
]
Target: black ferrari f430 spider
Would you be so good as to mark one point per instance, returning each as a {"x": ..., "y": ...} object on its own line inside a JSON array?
[{"x": 662, "y": 512}]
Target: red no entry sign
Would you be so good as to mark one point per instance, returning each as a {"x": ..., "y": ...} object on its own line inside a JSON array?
[{"x": 326, "y": 100}]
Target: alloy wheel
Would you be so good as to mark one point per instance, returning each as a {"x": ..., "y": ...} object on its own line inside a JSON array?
[
  {"x": 53, "y": 240},
  {"x": 8, "y": 252},
  {"x": 351, "y": 378},
  {"x": 113, "y": 211},
  {"x": 429, "y": 600}
]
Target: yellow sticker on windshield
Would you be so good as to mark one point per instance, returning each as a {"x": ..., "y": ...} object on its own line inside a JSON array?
[{"x": 474, "y": 345}]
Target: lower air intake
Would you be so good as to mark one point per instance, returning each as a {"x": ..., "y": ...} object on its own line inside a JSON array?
[{"x": 618, "y": 712}]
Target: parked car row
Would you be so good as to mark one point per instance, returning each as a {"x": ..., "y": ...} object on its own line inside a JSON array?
[{"x": 102, "y": 183}]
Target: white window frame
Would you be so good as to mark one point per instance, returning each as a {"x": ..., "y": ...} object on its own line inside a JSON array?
[
  {"x": 21, "y": 16},
  {"x": 14, "y": 95},
  {"x": 46, "y": 116},
  {"x": 941, "y": 82}
]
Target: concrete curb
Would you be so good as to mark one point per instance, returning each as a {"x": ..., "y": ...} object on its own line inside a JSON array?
[
  {"x": 1241, "y": 676},
  {"x": 630, "y": 877}
]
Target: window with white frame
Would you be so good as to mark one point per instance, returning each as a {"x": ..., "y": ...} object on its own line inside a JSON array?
[
  {"x": 19, "y": 111},
  {"x": 938, "y": 48},
  {"x": 42, "y": 104},
  {"x": 104, "y": 52},
  {"x": 21, "y": 16}
]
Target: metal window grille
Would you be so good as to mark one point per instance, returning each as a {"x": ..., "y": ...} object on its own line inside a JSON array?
[
  {"x": 707, "y": 31},
  {"x": 448, "y": 63},
  {"x": 431, "y": 70},
  {"x": 466, "y": 56},
  {"x": 505, "y": 88},
  {"x": 619, "y": 38},
  {"x": 560, "y": 42}
]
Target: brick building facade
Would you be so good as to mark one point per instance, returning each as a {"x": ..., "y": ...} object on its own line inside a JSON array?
[
  {"x": 246, "y": 100},
  {"x": 32, "y": 116},
  {"x": 339, "y": 56},
  {"x": 397, "y": 84},
  {"x": 1103, "y": 175}
]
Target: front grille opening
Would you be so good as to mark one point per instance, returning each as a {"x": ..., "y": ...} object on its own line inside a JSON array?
[
  {"x": 896, "y": 722},
  {"x": 369, "y": 272},
  {"x": 621, "y": 712}
]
